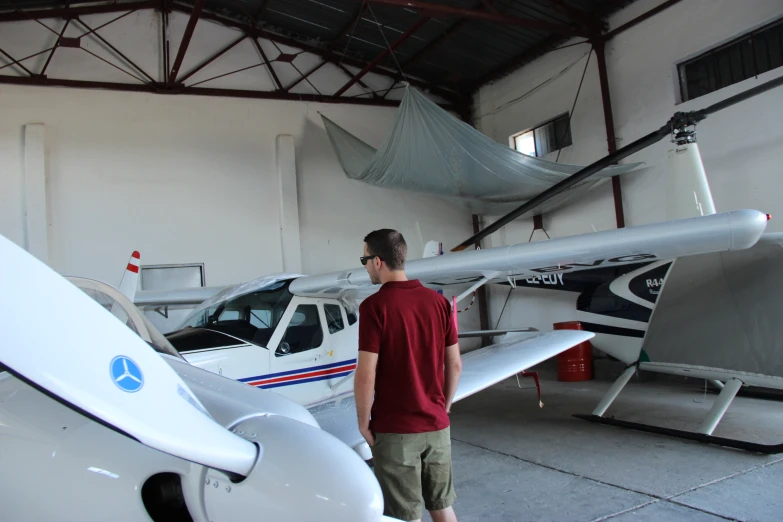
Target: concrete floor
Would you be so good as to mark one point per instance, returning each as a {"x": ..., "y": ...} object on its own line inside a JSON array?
[{"x": 516, "y": 462}]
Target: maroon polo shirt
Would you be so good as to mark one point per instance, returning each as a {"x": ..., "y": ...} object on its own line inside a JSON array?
[{"x": 409, "y": 327}]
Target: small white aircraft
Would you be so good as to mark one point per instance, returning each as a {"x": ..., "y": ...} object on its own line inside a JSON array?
[
  {"x": 298, "y": 334},
  {"x": 112, "y": 430}
]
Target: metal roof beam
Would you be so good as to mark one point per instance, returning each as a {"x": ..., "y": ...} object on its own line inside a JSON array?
[
  {"x": 183, "y": 47},
  {"x": 214, "y": 57},
  {"x": 445, "y": 36},
  {"x": 433, "y": 10},
  {"x": 268, "y": 64},
  {"x": 198, "y": 91},
  {"x": 589, "y": 22},
  {"x": 423, "y": 20},
  {"x": 304, "y": 76},
  {"x": 21, "y": 15},
  {"x": 518, "y": 61},
  {"x": 350, "y": 25},
  {"x": 95, "y": 34},
  {"x": 639, "y": 19},
  {"x": 16, "y": 62},
  {"x": 326, "y": 54}
]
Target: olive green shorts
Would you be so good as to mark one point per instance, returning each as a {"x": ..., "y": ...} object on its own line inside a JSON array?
[{"x": 412, "y": 467}]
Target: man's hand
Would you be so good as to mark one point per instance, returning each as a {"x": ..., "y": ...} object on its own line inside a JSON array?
[
  {"x": 367, "y": 434},
  {"x": 363, "y": 388},
  {"x": 453, "y": 369}
]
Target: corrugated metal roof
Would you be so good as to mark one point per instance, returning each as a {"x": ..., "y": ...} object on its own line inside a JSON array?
[{"x": 449, "y": 49}]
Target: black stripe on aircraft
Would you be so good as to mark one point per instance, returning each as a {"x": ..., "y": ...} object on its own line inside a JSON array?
[{"x": 612, "y": 330}]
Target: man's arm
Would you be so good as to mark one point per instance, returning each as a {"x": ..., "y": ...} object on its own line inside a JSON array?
[
  {"x": 453, "y": 370},
  {"x": 363, "y": 388}
]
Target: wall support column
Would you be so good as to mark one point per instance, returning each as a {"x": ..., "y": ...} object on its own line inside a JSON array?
[
  {"x": 611, "y": 141},
  {"x": 36, "y": 215},
  {"x": 482, "y": 294},
  {"x": 290, "y": 245}
]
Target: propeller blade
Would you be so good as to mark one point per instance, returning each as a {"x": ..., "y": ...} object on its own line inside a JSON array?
[{"x": 85, "y": 357}]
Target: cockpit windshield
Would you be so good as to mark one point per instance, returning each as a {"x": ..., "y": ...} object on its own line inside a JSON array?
[
  {"x": 127, "y": 313},
  {"x": 251, "y": 317},
  {"x": 159, "y": 341}
]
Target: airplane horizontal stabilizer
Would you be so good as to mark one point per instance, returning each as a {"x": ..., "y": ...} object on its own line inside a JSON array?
[{"x": 183, "y": 296}]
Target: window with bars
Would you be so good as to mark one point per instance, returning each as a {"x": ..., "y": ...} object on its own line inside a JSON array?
[
  {"x": 745, "y": 57},
  {"x": 545, "y": 138}
]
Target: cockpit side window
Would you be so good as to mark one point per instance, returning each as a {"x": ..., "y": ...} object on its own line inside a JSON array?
[
  {"x": 334, "y": 318},
  {"x": 251, "y": 317},
  {"x": 304, "y": 331}
]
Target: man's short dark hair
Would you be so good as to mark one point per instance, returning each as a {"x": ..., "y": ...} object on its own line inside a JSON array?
[{"x": 389, "y": 245}]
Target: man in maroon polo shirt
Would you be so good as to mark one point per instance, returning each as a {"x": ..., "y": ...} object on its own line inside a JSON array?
[{"x": 409, "y": 359}]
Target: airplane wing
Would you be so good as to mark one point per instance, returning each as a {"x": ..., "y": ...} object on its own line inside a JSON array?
[
  {"x": 480, "y": 369},
  {"x": 487, "y": 366},
  {"x": 734, "y": 230}
]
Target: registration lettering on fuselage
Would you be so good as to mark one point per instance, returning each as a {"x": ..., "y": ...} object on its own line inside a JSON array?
[{"x": 598, "y": 262}]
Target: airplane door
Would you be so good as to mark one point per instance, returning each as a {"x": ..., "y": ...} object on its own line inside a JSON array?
[
  {"x": 343, "y": 338},
  {"x": 297, "y": 352}
]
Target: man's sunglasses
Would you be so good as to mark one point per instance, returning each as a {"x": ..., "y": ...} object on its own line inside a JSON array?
[{"x": 364, "y": 259}]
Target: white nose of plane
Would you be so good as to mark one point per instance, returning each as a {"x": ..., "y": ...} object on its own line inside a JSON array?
[{"x": 303, "y": 473}]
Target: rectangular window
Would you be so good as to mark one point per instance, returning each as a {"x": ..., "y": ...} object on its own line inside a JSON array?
[
  {"x": 745, "y": 57},
  {"x": 171, "y": 277},
  {"x": 545, "y": 138}
]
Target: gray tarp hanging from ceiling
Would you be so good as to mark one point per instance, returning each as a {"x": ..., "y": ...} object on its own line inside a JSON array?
[{"x": 430, "y": 151}]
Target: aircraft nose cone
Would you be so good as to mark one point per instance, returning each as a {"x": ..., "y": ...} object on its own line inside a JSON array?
[{"x": 303, "y": 473}]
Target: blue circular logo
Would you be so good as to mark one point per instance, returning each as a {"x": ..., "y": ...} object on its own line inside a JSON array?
[{"x": 126, "y": 374}]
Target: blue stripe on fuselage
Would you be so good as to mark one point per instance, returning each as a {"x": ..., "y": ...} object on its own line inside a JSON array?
[
  {"x": 302, "y": 370},
  {"x": 302, "y": 381}
]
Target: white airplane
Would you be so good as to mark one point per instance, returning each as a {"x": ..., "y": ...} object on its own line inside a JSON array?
[
  {"x": 298, "y": 334},
  {"x": 112, "y": 430}
]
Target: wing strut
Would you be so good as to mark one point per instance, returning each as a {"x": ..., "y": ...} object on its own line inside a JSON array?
[{"x": 534, "y": 375}]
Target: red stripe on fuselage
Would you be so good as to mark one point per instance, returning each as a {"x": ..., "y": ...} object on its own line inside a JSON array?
[{"x": 303, "y": 375}]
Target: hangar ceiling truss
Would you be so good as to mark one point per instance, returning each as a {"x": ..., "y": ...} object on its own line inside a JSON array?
[{"x": 343, "y": 51}]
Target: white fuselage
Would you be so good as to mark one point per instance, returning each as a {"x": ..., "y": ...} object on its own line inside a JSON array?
[{"x": 309, "y": 358}]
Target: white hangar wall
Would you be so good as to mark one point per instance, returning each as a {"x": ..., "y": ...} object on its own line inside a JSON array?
[
  {"x": 194, "y": 179},
  {"x": 740, "y": 146},
  {"x": 88, "y": 176}
]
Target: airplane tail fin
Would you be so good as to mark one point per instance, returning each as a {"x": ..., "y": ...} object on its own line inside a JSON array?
[
  {"x": 687, "y": 190},
  {"x": 615, "y": 302},
  {"x": 620, "y": 309},
  {"x": 433, "y": 249},
  {"x": 130, "y": 277}
]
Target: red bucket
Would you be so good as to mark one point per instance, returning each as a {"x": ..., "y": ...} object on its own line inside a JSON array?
[{"x": 575, "y": 364}]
